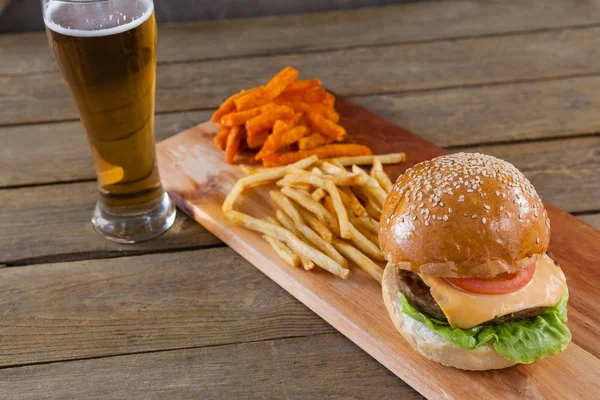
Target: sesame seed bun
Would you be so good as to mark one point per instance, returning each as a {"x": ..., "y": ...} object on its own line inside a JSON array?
[
  {"x": 463, "y": 215},
  {"x": 429, "y": 343}
]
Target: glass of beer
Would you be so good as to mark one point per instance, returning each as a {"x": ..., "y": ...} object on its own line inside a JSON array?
[{"x": 105, "y": 50}]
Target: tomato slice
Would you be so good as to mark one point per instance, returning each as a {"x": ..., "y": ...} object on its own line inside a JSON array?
[{"x": 501, "y": 284}]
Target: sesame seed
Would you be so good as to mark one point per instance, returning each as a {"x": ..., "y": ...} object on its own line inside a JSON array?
[
  {"x": 445, "y": 218},
  {"x": 501, "y": 208},
  {"x": 414, "y": 218},
  {"x": 465, "y": 214},
  {"x": 441, "y": 204},
  {"x": 537, "y": 240},
  {"x": 486, "y": 207},
  {"x": 473, "y": 216},
  {"x": 483, "y": 220},
  {"x": 449, "y": 211},
  {"x": 469, "y": 190},
  {"x": 426, "y": 223}
]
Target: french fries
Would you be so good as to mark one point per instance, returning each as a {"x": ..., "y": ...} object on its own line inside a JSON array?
[
  {"x": 326, "y": 216},
  {"x": 276, "y": 117},
  {"x": 328, "y": 151}
]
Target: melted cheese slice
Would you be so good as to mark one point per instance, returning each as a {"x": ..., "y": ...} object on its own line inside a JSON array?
[{"x": 466, "y": 310}]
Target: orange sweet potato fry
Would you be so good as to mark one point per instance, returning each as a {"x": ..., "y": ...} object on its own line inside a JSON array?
[
  {"x": 306, "y": 108},
  {"x": 240, "y": 117},
  {"x": 285, "y": 138},
  {"x": 257, "y": 141},
  {"x": 221, "y": 138},
  {"x": 303, "y": 85},
  {"x": 320, "y": 124},
  {"x": 314, "y": 140},
  {"x": 226, "y": 107},
  {"x": 233, "y": 144},
  {"x": 329, "y": 151},
  {"x": 280, "y": 126},
  {"x": 329, "y": 100},
  {"x": 266, "y": 120},
  {"x": 280, "y": 82},
  {"x": 313, "y": 95},
  {"x": 253, "y": 98}
]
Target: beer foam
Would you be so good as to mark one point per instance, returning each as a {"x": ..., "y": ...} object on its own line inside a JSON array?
[{"x": 53, "y": 7}]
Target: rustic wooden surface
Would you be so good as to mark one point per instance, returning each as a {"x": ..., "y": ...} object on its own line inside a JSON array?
[{"x": 514, "y": 79}]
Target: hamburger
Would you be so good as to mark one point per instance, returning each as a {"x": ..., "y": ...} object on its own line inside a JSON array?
[{"x": 469, "y": 281}]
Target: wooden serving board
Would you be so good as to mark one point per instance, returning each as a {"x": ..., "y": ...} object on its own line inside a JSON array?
[{"x": 201, "y": 181}]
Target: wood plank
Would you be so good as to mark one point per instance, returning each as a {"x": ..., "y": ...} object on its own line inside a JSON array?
[
  {"x": 354, "y": 307},
  {"x": 489, "y": 114},
  {"x": 144, "y": 303},
  {"x": 323, "y": 367},
  {"x": 564, "y": 172},
  {"x": 26, "y": 53},
  {"x": 422, "y": 66},
  {"x": 52, "y": 223},
  {"x": 592, "y": 219},
  {"x": 61, "y": 152}
]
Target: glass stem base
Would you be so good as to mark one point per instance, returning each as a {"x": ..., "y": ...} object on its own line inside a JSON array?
[{"x": 126, "y": 225}]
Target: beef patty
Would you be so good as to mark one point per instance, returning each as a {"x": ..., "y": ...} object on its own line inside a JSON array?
[{"x": 419, "y": 296}]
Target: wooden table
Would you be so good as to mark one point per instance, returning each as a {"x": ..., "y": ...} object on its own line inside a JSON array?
[{"x": 184, "y": 316}]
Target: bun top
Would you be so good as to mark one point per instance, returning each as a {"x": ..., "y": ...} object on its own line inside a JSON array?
[{"x": 463, "y": 215}]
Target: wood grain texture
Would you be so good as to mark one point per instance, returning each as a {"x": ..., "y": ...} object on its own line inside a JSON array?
[
  {"x": 422, "y": 66},
  {"x": 317, "y": 367},
  {"x": 26, "y": 53},
  {"x": 200, "y": 191},
  {"x": 488, "y": 114},
  {"x": 50, "y": 223},
  {"x": 144, "y": 303}
]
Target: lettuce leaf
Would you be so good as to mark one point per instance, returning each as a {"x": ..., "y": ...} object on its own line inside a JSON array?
[{"x": 522, "y": 341}]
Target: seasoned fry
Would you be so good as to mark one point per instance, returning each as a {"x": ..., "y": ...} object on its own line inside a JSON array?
[
  {"x": 266, "y": 120},
  {"x": 280, "y": 82},
  {"x": 380, "y": 176},
  {"x": 331, "y": 150},
  {"x": 283, "y": 251},
  {"x": 240, "y": 117},
  {"x": 340, "y": 210},
  {"x": 292, "y": 241},
  {"x": 302, "y": 85},
  {"x": 358, "y": 258},
  {"x": 329, "y": 100},
  {"x": 225, "y": 108},
  {"x": 392, "y": 158},
  {"x": 314, "y": 140},
  {"x": 278, "y": 140},
  {"x": 306, "y": 108},
  {"x": 319, "y": 123},
  {"x": 262, "y": 178},
  {"x": 221, "y": 138},
  {"x": 257, "y": 141},
  {"x": 308, "y": 203},
  {"x": 233, "y": 143},
  {"x": 365, "y": 245},
  {"x": 252, "y": 98},
  {"x": 248, "y": 170},
  {"x": 312, "y": 95}
]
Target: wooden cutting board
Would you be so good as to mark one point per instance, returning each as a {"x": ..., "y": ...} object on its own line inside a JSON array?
[{"x": 197, "y": 177}]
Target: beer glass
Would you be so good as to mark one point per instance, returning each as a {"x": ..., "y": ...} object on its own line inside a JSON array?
[{"x": 105, "y": 50}]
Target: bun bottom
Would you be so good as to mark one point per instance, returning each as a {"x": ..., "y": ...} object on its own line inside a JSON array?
[{"x": 429, "y": 343}]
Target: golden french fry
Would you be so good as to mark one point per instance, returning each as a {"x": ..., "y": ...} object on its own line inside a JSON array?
[
  {"x": 328, "y": 202},
  {"x": 301, "y": 186},
  {"x": 371, "y": 186},
  {"x": 365, "y": 245},
  {"x": 316, "y": 171},
  {"x": 292, "y": 241},
  {"x": 290, "y": 209},
  {"x": 373, "y": 210},
  {"x": 392, "y": 158},
  {"x": 331, "y": 168},
  {"x": 340, "y": 210},
  {"x": 368, "y": 223},
  {"x": 336, "y": 162},
  {"x": 358, "y": 258},
  {"x": 380, "y": 176},
  {"x": 366, "y": 232},
  {"x": 261, "y": 178},
  {"x": 295, "y": 257},
  {"x": 246, "y": 169},
  {"x": 286, "y": 222},
  {"x": 304, "y": 200},
  {"x": 351, "y": 202},
  {"x": 318, "y": 194},
  {"x": 283, "y": 251},
  {"x": 296, "y": 176},
  {"x": 317, "y": 225}
]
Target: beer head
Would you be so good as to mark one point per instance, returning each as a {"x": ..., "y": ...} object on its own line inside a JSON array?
[{"x": 96, "y": 18}]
